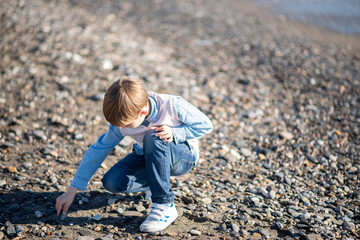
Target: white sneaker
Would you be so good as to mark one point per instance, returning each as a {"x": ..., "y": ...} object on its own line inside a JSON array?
[{"x": 159, "y": 218}]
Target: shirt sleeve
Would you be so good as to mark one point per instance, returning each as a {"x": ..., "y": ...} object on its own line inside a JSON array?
[
  {"x": 94, "y": 156},
  {"x": 194, "y": 123}
]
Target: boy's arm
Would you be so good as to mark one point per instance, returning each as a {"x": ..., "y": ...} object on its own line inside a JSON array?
[
  {"x": 94, "y": 156},
  {"x": 194, "y": 123}
]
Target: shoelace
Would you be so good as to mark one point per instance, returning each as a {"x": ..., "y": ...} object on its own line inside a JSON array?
[{"x": 157, "y": 211}]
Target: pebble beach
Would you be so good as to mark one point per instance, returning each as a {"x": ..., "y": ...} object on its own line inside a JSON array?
[{"x": 282, "y": 162}]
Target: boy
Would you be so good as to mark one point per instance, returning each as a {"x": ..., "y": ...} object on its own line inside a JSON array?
[{"x": 165, "y": 128}]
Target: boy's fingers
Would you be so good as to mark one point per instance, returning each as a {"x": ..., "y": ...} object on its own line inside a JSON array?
[
  {"x": 58, "y": 208},
  {"x": 65, "y": 209}
]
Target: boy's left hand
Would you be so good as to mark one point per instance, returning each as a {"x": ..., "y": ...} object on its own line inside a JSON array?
[{"x": 164, "y": 132}]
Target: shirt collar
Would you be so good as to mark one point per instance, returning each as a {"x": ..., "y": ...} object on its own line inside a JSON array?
[{"x": 154, "y": 115}]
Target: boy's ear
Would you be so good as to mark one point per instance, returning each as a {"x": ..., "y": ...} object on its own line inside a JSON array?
[{"x": 143, "y": 111}]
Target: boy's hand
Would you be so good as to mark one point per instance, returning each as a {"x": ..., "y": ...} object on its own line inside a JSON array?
[
  {"x": 164, "y": 132},
  {"x": 64, "y": 201}
]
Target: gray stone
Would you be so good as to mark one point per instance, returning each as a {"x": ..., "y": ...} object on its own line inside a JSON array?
[
  {"x": 97, "y": 217},
  {"x": 235, "y": 227},
  {"x": 313, "y": 236},
  {"x": 38, "y": 214},
  {"x": 349, "y": 226},
  {"x": 246, "y": 152},
  {"x": 10, "y": 231}
]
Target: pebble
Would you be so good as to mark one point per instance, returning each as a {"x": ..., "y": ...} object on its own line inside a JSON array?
[
  {"x": 195, "y": 232},
  {"x": 38, "y": 214},
  {"x": 305, "y": 216},
  {"x": 84, "y": 238},
  {"x": 235, "y": 227},
  {"x": 2, "y": 183},
  {"x": 10, "y": 231},
  {"x": 97, "y": 217},
  {"x": 111, "y": 201},
  {"x": 272, "y": 194},
  {"x": 286, "y": 135},
  {"x": 132, "y": 214},
  {"x": 349, "y": 226},
  {"x": 246, "y": 152},
  {"x": 27, "y": 165},
  {"x": 63, "y": 216},
  {"x": 313, "y": 236},
  {"x": 11, "y": 169}
]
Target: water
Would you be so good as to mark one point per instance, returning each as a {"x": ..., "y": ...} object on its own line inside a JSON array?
[{"x": 339, "y": 15}]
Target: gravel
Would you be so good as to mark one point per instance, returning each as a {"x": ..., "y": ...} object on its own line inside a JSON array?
[{"x": 282, "y": 161}]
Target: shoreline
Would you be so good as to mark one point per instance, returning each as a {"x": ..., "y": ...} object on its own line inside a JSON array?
[{"x": 310, "y": 31}]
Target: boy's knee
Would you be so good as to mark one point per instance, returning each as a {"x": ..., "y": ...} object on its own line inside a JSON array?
[
  {"x": 150, "y": 140},
  {"x": 108, "y": 183}
]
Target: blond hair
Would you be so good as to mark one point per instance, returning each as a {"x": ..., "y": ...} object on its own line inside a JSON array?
[{"x": 123, "y": 101}]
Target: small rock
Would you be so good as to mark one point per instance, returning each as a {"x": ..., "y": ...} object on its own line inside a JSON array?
[
  {"x": 272, "y": 194},
  {"x": 11, "y": 169},
  {"x": 349, "y": 226},
  {"x": 97, "y": 217},
  {"x": 195, "y": 232},
  {"x": 264, "y": 232},
  {"x": 97, "y": 229},
  {"x": 305, "y": 216},
  {"x": 84, "y": 199},
  {"x": 286, "y": 135},
  {"x": 235, "y": 227},
  {"x": 27, "y": 165},
  {"x": 14, "y": 207},
  {"x": 98, "y": 97},
  {"x": 206, "y": 200},
  {"x": 132, "y": 214},
  {"x": 38, "y": 214},
  {"x": 79, "y": 136},
  {"x": 84, "y": 238},
  {"x": 120, "y": 210},
  {"x": 313, "y": 236},
  {"x": 10, "y": 231},
  {"x": 20, "y": 229},
  {"x": 111, "y": 201},
  {"x": 140, "y": 208},
  {"x": 2, "y": 183},
  {"x": 63, "y": 216},
  {"x": 246, "y": 152},
  {"x": 107, "y": 64}
]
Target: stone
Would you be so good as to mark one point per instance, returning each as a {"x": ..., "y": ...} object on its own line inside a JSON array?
[
  {"x": 2, "y": 182},
  {"x": 246, "y": 152},
  {"x": 10, "y": 231},
  {"x": 11, "y": 169},
  {"x": 286, "y": 135},
  {"x": 349, "y": 226},
  {"x": 97, "y": 217},
  {"x": 272, "y": 194},
  {"x": 63, "y": 216},
  {"x": 195, "y": 232},
  {"x": 14, "y": 207},
  {"x": 98, "y": 97},
  {"x": 38, "y": 214},
  {"x": 27, "y": 165},
  {"x": 111, "y": 201},
  {"x": 313, "y": 236},
  {"x": 132, "y": 214},
  {"x": 235, "y": 227},
  {"x": 84, "y": 238}
]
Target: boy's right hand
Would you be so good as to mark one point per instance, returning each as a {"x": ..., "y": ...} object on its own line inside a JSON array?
[{"x": 64, "y": 201}]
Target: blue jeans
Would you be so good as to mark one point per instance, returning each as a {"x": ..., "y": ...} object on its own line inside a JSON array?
[{"x": 137, "y": 173}]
